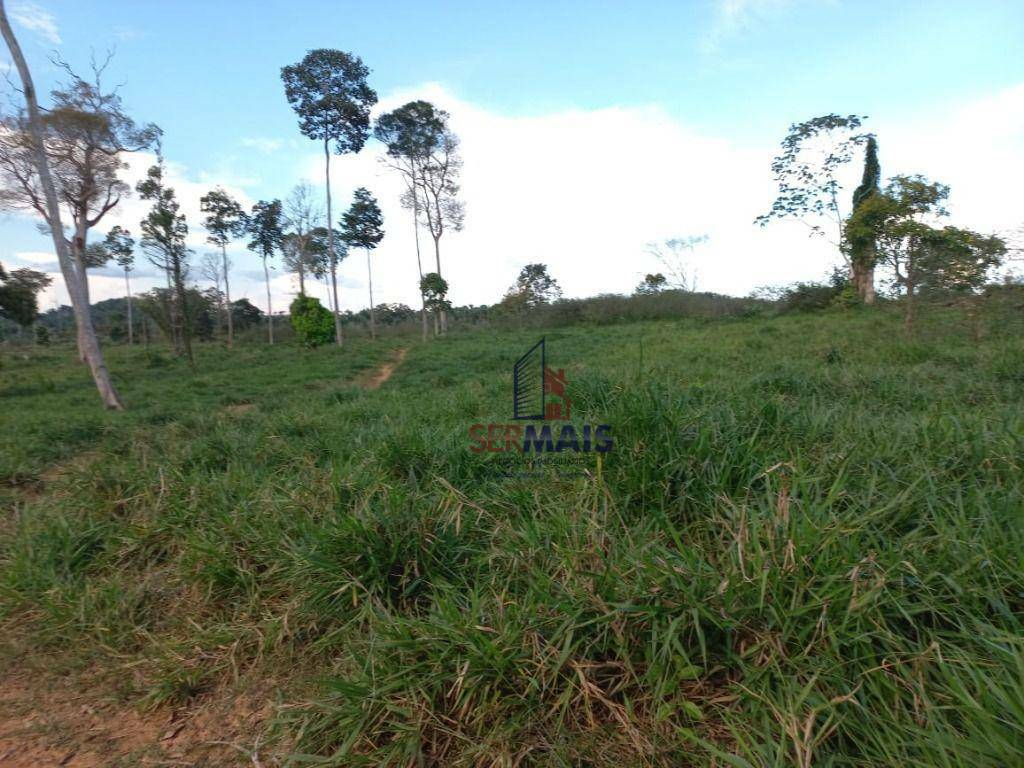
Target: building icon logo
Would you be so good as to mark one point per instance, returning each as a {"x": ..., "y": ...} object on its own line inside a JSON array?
[{"x": 538, "y": 392}]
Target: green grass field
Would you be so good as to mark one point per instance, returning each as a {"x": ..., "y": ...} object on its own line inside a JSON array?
[{"x": 806, "y": 548}]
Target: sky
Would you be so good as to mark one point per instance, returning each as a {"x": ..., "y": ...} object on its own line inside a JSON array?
[{"x": 588, "y": 129}]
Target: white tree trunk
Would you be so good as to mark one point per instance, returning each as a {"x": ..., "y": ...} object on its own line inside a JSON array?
[
  {"x": 79, "y": 298},
  {"x": 330, "y": 245}
]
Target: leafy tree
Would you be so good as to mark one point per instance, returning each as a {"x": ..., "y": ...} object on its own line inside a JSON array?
[
  {"x": 328, "y": 92},
  {"x": 438, "y": 185},
  {"x": 161, "y": 305},
  {"x": 19, "y": 290},
  {"x": 862, "y": 249},
  {"x": 807, "y": 171},
  {"x": 435, "y": 289},
  {"x": 265, "y": 228},
  {"x": 362, "y": 227},
  {"x": 651, "y": 284},
  {"x": 313, "y": 323},
  {"x": 163, "y": 240},
  {"x": 246, "y": 314},
  {"x": 224, "y": 219},
  {"x": 120, "y": 245},
  {"x": 210, "y": 268},
  {"x": 534, "y": 286},
  {"x": 411, "y": 134}
]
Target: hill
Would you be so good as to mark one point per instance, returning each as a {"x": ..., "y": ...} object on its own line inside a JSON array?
[{"x": 805, "y": 547}]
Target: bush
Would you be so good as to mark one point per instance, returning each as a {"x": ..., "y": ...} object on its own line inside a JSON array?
[{"x": 312, "y": 321}]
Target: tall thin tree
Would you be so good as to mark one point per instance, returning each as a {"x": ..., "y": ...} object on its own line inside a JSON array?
[
  {"x": 120, "y": 245},
  {"x": 224, "y": 218},
  {"x": 328, "y": 91},
  {"x": 410, "y": 133},
  {"x": 362, "y": 227},
  {"x": 863, "y": 251},
  {"x": 265, "y": 224}
]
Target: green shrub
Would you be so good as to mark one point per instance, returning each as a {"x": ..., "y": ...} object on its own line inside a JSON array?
[{"x": 312, "y": 322}]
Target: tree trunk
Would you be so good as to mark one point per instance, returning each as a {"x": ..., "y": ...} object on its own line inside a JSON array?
[
  {"x": 909, "y": 312},
  {"x": 437, "y": 259},
  {"x": 270, "y": 309},
  {"x": 128, "y": 298},
  {"x": 91, "y": 348},
  {"x": 419, "y": 259},
  {"x": 185, "y": 330},
  {"x": 369, "y": 278},
  {"x": 330, "y": 245},
  {"x": 227, "y": 296}
]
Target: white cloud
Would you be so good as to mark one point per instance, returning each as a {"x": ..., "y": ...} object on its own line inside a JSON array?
[
  {"x": 584, "y": 190},
  {"x": 36, "y": 19},
  {"x": 262, "y": 144}
]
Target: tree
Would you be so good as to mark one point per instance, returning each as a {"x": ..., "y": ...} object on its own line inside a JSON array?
[
  {"x": 328, "y": 91},
  {"x": 534, "y": 287},
  {"x": 19, "y": 290},
  {"x": 862, "y": 250},
  {"x": 163, "y": 239},
  {"x": 210, "y": 268},
  {"x": 651, "y": 284},
  {"x": 246, "y": 314},
  {"x": 313, "y": 323},
  {"x": 265, "y": 224},
  {"x": 439, "y": 186},
  {"x": 24, "y": 161},
  {"x": 302, "y": 216},
  {"x": 435, "y": 289},
  {"x": 120, "y": 245},
  {"x": 362, "y": 227},
  {"x": 224, "y": 219},
  {"x": 895, "y": 221},
  {"x": 807, "y": 172},
  {"x": 957, "y": 262},
  {"x": 675, "y": 255},
  {"x": 411, "y": 133}
]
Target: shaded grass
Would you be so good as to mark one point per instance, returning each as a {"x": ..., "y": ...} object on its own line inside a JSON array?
[{"x": 806, "y": 547}]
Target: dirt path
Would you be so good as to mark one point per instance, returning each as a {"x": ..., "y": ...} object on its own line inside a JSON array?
[{"x": 382, "y": 374}]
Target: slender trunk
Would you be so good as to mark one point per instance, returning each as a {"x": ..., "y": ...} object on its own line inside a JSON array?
[
  {"x": 437, "y": 259},
  {"x": 302, "y": 278},
  {"x": 270, "y": 309},
  {"x": 78, "y": 254},
  {"x": 908, "y": 317},
  {"x": 227, "y": 296},
  {"x": 128, "y": 298},
  {"x": 330, "y": 244},
  {"x": 93, "y": 353},
  {"x": 185, "y": 330},
  {"x": 419, "y": 259},
  {"x": 369, "y": 278}
]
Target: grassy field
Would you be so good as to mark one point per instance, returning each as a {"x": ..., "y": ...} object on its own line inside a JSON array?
[{"x": 806, "y": 548}]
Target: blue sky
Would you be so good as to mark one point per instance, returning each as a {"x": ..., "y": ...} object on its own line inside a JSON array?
[{"x": 732, "y": 73}]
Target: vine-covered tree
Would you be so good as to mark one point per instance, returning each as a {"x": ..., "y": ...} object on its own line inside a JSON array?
[
  {"x": 120, "y": 246},
  {"x": 265, "y": 229},
  {"x": 163, "y": 240},
  {"x": 676, "y": 255},
  {"x": 224, "y": 219},
  {"x": 435, "y": 289},
  {"x": 362, "y": 226},
  {"x": 862, "y": 249},
  {"x": 411, "y": 133},
  {"x": 329, "y": 93}
]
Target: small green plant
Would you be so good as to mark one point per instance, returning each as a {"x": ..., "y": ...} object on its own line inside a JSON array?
[
  {"x": 312, "y": 321},
  {"x": 42, "y": 335}
]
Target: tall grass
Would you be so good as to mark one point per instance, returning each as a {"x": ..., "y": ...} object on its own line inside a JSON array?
[{"x": 805, "y": 548}]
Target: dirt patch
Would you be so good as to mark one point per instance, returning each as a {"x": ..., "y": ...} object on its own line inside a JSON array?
[
  {"x": 375, "y": 379},
  {"x": 47, "y": 721},
  {"x": 237, "y": 409}
]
